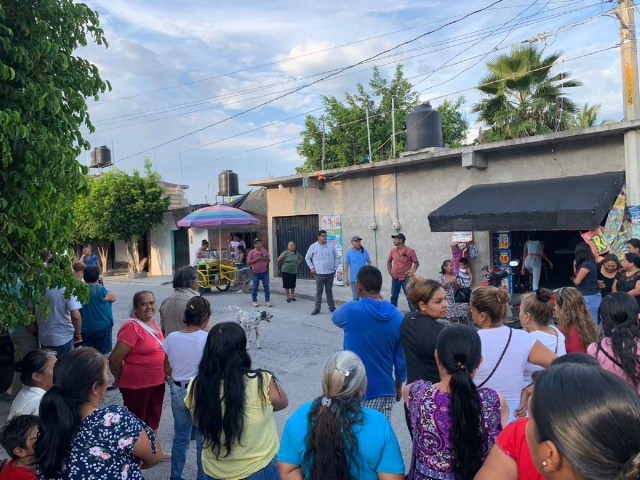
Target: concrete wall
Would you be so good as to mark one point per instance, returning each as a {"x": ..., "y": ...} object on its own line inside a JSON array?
[
  {"x": 421, "y": 188},
  {"x": 161, "y": 252}
]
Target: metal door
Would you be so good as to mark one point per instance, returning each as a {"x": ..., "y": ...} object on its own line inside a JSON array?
[
  {"x": 303, "y": 230},
  {"x": 181, "y": 248}
]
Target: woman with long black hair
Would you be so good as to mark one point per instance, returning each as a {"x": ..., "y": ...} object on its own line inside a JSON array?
[
  {"x": 619, "y": 346},
  {"x": 335, "y": 437},
  {"x": 232, "y": 407},
  {"x": 628, "y": 280},
  {"x": 586, "y": 278},
  {"x": 454, "y": 423},
  {"x": 578, "y": 433},
  {"x": 79, "y": 440}
]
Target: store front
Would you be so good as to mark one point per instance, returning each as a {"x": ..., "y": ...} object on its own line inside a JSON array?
[{"x": 555, "y": 211}]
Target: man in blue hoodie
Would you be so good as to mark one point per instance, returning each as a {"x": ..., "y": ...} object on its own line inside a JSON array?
[{"x": 372, "y": 331}]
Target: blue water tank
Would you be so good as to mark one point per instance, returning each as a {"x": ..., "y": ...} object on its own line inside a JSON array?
[{"x": 423, "y": 128}]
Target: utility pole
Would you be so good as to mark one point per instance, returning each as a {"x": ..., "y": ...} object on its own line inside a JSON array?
[
  {"x": 369, "y": 134},
  {"x": 323, "y": 141},
  {"x": 393, "y": 126},
  {"x": 631, "y": 97}
]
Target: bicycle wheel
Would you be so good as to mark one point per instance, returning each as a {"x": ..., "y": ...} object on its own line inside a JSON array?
[
  {"x": 202, "y": 280},
  {"x": 245, "y": 283}
]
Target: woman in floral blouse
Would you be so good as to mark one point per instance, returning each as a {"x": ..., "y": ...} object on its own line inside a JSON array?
[{"x": 78, "y": 440}]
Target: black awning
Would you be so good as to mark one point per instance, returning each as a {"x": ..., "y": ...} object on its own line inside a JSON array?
[{"x": 569, "y": 203}]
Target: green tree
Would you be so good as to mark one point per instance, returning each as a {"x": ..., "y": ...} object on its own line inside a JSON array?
[
  {"x": 43, "y": 87},
  {"x": 126, "y": 207},
  {"x": 454, "y": 123},
  {"x": 587, "y": 116},
  {"x": 346, "y": 128},
  {"x": 522, "y": 98}
]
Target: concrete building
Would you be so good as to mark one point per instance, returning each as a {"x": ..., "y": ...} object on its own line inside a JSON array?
[{"x": 374, "y": 198}]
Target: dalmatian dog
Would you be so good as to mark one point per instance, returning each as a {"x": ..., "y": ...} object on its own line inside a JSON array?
[{"x": 250, "y": 322}]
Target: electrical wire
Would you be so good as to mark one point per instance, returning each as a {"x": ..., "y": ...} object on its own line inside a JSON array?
[
  {"x": 168, "y": 109},
  {"x": 355, "y": 42},
  {"x": 495, "y": 2}
]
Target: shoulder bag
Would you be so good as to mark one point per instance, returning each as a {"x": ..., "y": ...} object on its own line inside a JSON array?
[
  {"x": 463, "y": 294},
  {"x": 499, "y": 360}
]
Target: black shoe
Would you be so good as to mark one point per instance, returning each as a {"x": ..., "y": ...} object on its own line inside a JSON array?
[
  {"x": 294, "y": 299},
  {"x": 332, "y": 310},
  {"x": 288, "y": 300},
  {"x": 315, "y": 312}
]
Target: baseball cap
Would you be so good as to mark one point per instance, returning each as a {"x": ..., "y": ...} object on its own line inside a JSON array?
[
  {"x": 355, "y": 237},
  {"x": 400, "y": 236},
  {"x": 257, "y": 240}
]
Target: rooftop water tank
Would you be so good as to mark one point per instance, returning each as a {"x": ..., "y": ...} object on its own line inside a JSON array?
[
  {"x": 423, "y": 128},
  {"x": 100, "y": 157},
  {"x": 228, "y": 182}
]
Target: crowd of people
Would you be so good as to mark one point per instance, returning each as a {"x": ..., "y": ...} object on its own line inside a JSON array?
[{"x": 558, "y": 399}]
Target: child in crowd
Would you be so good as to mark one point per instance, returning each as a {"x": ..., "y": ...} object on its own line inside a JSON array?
[{"x": 17, "y": 438}]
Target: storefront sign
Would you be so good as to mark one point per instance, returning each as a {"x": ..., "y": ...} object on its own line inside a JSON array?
[
  {"x": 615, "y": 218},
  {"x": 333, "y": 225},
  {"x": 462, "y": 237},
  {"x": 597, "y": 242}
]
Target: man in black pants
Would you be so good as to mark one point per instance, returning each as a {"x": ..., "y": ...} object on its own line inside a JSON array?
[{"x": 322, "y": 259}]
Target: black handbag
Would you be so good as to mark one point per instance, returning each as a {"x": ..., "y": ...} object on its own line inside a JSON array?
[{"x": 463, "y": 294}]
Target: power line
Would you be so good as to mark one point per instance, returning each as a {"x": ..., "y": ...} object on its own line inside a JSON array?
[
  {"x": 180, "y": 106},
  {"x": 299, "y": 56},
  {"x": 317, "y": 81},
  {"x": 126, "y": 125}
]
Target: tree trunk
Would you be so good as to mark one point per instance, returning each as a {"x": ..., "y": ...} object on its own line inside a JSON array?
[
  {"x": 132, "y": 250},
  {"x": 103, "y": 252}
]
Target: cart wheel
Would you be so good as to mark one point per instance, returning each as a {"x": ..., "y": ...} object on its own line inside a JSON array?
[
  {"x": 202, "y": 280},
  {"x": 225, "y": 287}
]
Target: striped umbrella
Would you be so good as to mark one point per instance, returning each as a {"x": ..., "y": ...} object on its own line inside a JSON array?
[{"x": 217, "y": 216}]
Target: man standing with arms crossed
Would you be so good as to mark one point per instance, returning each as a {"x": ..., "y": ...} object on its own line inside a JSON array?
[
  {"x": 401, "y": 262},
  {"x": 322, "y": 259}
]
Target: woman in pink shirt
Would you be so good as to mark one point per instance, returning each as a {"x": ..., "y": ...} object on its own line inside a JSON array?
[
  {"x": 618, "y": 349},
  {"x": 137, "y": 361}
]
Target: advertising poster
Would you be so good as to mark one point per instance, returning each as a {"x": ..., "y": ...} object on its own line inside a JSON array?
[
  {"x": 333, "y": 225},
  {"x": 502, "y": 256},
  {"x": 634, "y": 221},
  {"x": 615, "y": 219},
  {"x": 462, "y": 237}
]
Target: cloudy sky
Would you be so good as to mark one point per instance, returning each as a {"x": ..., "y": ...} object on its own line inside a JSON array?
[{"x": 178, "y": 67}]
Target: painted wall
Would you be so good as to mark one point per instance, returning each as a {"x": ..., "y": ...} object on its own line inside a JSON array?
[
  {"x": 161, "y": 253},
  {"x": 421, "y": 188}
]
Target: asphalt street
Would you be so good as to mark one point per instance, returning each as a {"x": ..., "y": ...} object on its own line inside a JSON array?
[{"x": 294, "y": 347}]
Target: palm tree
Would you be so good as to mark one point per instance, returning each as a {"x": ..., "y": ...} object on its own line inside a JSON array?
[
  {"x": 521, "y": 96},
  {"x": 587, "y": 117}
]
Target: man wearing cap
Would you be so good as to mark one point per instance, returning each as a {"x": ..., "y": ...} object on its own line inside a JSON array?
[
  {"x": 258, "y": 259},
  {"x": 322, "y": 259},
  {"x": 401, "y": 262},
  {"x": 356, "y": 258},
  {"x": 203, "y": 251}
]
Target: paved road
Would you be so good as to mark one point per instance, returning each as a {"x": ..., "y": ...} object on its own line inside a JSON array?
[{"x": 295, "y": 345}]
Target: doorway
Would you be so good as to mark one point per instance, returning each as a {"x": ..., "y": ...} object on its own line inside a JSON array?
[
  {"x": 301, "y": 229},
  {"x": 181, "y": 256}
]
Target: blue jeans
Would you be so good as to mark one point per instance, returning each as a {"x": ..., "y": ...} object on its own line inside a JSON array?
[
  {"x": 265, "y": 283},
  {"x": 270, "y": 472},
  {"x": 395, "y": 292},
  {"x": 182, "y": 425},
  {"x": 100, "y": 340},
  {"x": 354, "y": 291},
  {"x": 60, "y": 349},
  {"x": 593, "y": 305}
]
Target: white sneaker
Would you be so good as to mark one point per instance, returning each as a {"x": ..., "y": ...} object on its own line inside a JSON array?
[
  {"x": 268, "y": 304},
  {"x": 256, "y": 304}
]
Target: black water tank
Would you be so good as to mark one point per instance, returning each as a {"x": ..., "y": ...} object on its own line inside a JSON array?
[
  {"x": 228, "y": 182},
  {"x": 100, "y": 157},
  {"x": 423, "y": 128}
]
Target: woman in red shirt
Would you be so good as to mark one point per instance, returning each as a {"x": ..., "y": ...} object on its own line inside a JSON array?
[
  {"x": 574, "y": 320},
  {"x": 137, "y": 361}
]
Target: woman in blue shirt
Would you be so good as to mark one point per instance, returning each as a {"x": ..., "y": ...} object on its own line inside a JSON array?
[
  {"x": 586, "y": 278},
  {"x": 354, "y": 260},
  {"x": 334, "y": 436}
]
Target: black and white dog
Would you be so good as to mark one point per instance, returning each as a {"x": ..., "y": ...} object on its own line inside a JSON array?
[{"x": 250, "y": 322}]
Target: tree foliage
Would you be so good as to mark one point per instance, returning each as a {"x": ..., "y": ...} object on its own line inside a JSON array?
[
  {"x": 522, "y": 97},
  {"x": 43, "y": 87},
  {"x": 587, "y": 116},
  {"x": 346, "y": 128},
  {"x": 125, "y": 207},
  {"x": 454, "y": 123}
]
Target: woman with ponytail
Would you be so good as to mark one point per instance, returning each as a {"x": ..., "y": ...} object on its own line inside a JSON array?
[
  {"x": 79, "y": 440},
  {"x": 334, "y": 437},
  {"x": 232, "y": 406},
  {"x": 584, "y": 424},
  {"x": 454, "y": 423}
]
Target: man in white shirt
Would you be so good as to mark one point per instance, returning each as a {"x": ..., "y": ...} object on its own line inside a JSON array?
[
  {"x": 233, "y": 244},
  {"x": 322, "y": 259},
  {"x": 61, "y": 329}
]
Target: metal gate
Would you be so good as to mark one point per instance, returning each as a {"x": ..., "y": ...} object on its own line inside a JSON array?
[
  {"x": 181, "y": 248},
  {"x": 303, "y": 230}
]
